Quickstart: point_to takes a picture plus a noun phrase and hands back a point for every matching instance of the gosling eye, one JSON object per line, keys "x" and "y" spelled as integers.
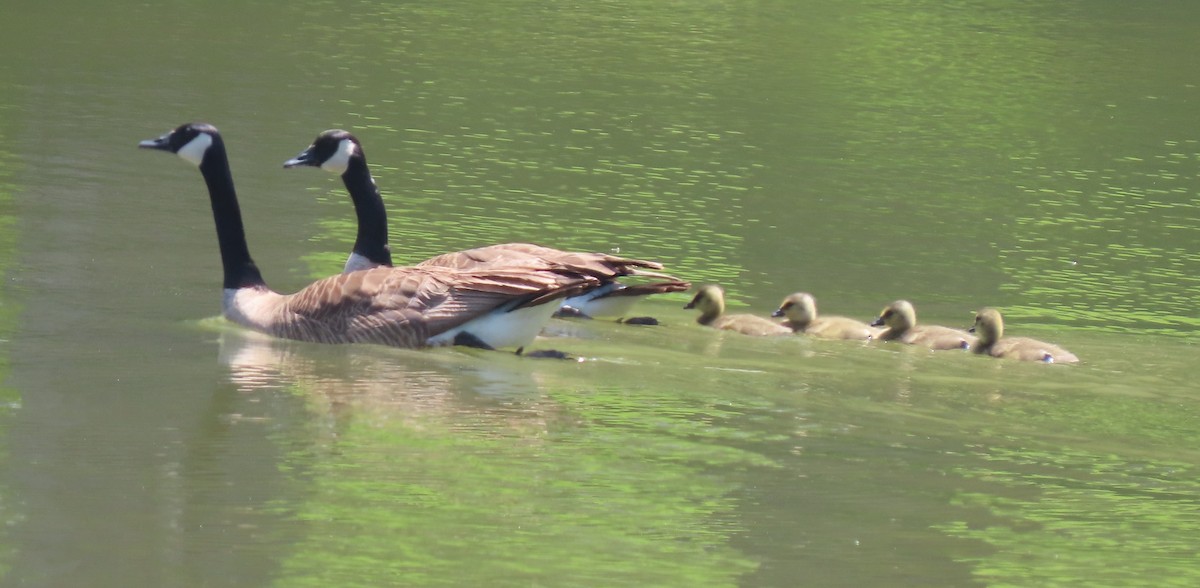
{"x": 786, "y": 305}
{"x": 886, "y": 314}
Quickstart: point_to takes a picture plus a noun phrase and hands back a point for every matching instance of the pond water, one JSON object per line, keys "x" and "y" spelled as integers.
{"x": 1044, "y": 159}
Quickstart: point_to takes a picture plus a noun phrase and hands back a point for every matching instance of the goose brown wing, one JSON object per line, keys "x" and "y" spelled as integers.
{"x": 492, "y": 255}
{"x": 406, "y": 306}
{"x": 671, "y": 285}
{"x": 527, "y": 255}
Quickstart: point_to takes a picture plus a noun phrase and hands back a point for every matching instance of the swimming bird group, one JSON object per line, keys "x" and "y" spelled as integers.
{"x": 496, "y": 296}
{"x": 897, "y": 322}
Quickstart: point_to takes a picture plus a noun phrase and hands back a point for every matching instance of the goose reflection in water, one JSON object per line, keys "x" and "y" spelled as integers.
{"x": 397, "y": 386}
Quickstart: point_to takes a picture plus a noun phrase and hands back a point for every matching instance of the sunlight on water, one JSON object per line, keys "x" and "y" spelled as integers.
{"x": 1067, "y": 514}
{"x": 10, "y": 399}
{"x": 650, "y": 182}
{"x": 1036, "y": 157}
{"x": 406, "y": 453}
{"x": 1128, "y": 227}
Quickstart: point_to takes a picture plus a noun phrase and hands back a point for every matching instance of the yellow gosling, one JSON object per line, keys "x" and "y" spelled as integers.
{"x": 710, "y": 301}
{"x": 900, "y": 320}
{"x": 989, "y": 327}
{"x": 801, "y": 312}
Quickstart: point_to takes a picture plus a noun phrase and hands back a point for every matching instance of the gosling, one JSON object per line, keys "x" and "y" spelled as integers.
{"x": 900, "y": 318}
{"x": 989, "y": 326}
{"x": 710, "y": 300}
{"x": 801, "y": 312}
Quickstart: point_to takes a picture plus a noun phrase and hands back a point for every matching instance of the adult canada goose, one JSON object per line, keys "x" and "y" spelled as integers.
{"x": 801, "y": 312}
{"x": 710, "y": 300}
{"x": 900, "y": 318}
{"x": 402, "y": 307}
{"x": 989, "y": 326}
{"x": 340, "y": 152}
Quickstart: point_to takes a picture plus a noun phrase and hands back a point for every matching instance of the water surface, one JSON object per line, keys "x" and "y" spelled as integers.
{"x": 1042, "y": 159}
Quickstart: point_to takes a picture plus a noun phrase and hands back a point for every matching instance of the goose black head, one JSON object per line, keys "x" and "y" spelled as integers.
{"x": 189, "y": 141}
{"x": 330, "y": 151}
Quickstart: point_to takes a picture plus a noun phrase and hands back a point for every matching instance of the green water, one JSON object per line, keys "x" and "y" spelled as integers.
{"x": 1042, "y": 159}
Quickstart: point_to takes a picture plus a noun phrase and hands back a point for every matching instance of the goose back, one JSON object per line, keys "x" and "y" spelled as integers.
{"x": 408, "y": 307}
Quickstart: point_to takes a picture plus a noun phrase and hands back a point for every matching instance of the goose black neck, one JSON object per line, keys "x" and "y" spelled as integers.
{"x": 240, "y": 271}
{"x": 372, "y": 239}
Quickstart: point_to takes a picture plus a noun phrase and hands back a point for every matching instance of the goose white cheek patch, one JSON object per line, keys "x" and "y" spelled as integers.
{"x": 340, "y": 159}
{"x": 195, "y": 149}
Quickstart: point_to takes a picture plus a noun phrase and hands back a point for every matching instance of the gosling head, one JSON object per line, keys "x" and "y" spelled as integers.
{"x": 191, "y": 141}
{"x": 989, "y": 326}
{"x": 897, "y": 316}
{"x": 799, "y": 308}
{"x": 710, "y": 300}
{"x": 331, "y": 151}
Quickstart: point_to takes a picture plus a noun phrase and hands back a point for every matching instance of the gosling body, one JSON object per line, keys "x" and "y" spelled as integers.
{"x": 989, "y": 327}
{"x": 900, "y": 321}
{"x": 710, "y": 301}
{"x": 800, "y": 310}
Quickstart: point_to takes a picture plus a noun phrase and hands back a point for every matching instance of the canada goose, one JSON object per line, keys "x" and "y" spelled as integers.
{"x": 801, "y": 312}
{"x": 340, "y": 152}
{"x": 989, "y": 326}
{"x": 900, "y": 318}
{"x": 402, "y": 307}
{"x": 710, "y": 300}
